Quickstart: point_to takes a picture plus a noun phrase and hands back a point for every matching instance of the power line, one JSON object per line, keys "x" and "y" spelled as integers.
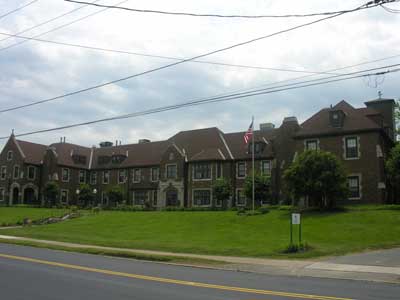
{"x": 61, "y": 26}
{"x": 17, "y": 9}
{"x": 48, "y": 21}
{"x": 160, "y": 56}
{"x": 390, "y": 10}
{"x": 216, "y": 15}
{"x": 312, "y": 73}
{"x": 216, "y": 99}
{"x": 176, "y": 63}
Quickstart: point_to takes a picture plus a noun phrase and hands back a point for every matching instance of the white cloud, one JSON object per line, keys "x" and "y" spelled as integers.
{"x": 35, "y": 71}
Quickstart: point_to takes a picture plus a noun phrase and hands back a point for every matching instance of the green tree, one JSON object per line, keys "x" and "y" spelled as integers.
{"x": 262, "y": 188}
{"x": 115, "y": 195}
{"x": 393, "y": 167}
{"x": 222, "y": 190}
{"x": 319, "y": 177}
{"x": 86, "y": 196}
{"x": 51, "y": 192}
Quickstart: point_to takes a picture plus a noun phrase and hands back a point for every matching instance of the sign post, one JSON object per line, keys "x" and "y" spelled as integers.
{"x": 295, "y": 220}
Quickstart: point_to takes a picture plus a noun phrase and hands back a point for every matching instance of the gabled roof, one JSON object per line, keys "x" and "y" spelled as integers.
{"x": 355, "y": 120}
{"x": 197, "y": 143}
{"x": 66, "y": 151}
{"x": 32, "y": 152}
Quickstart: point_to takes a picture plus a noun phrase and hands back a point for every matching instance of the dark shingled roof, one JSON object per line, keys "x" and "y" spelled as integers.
{"x": 65, "y": 151}
{"x": 33, "y": 152}
{"x": 197, "y": 144}
{"x": 145, "y": 154}
{"x": 355, "y": 120}
{"x": 239, "y": 149}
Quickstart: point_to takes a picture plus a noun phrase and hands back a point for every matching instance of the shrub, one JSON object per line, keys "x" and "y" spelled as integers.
{"x": 296, "y": 248}
{"x": 241, "y": 211}
{"x": 263, "y": 210}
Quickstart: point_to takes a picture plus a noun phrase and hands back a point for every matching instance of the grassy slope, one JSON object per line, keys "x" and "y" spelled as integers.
{"x": 225, "y": 233}
{"x": 12, "y": 215}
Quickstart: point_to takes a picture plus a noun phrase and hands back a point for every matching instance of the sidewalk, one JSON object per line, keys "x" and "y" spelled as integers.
{"x": 328, "y": 268}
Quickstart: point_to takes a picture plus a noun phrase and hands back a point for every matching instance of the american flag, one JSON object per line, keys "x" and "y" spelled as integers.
{"x": 249, "y": 133}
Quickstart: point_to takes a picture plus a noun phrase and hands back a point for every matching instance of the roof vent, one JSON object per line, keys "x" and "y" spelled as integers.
{"x": 144, "y": 141}
{"x": 266, "y": 126}
{"x": 290, "y": 119}
{"x": 106, "y": 144}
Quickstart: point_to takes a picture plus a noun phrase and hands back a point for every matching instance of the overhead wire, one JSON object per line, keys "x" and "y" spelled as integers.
{"x": 218, "y": 99}
{"x": 176, "y": 63}
{"x": 17, "y": 9}
{"x": 61, "y": 26}
{"x": 191, "y": 14}
{"x": 48, "y": 21}
{"x": 160, "y": 56}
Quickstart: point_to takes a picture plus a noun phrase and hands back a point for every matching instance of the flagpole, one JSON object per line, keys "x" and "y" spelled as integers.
{"x": 252, "y": 158}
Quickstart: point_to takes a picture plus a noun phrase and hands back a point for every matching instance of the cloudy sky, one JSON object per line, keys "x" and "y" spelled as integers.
{"x": 34, "y": 71}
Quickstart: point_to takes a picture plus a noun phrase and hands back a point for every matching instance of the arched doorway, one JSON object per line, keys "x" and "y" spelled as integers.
{"x": 172, "y": 197}
{"x": 15, "y": 195}
{"x": 29, "y": 196}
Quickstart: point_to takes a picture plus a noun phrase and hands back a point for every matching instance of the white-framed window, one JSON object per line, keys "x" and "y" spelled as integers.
{"x": 31, "y": 173}
{"x": 16, "y": 172}
{"x": 311, "y": 144}
{"x": 136, "y": 175}
{"x": 171, "y": 156}
{"x": 65, "y": 174}
{"x": 171, "y": 171}
{"x": 106, "y": 177}
{"x": 139, "y": 197}
{"x": 155, "y": 174}
{"x": 155, "y": 198}
{"x": 351, "y": 147}
{"x": 241, "y": 169}
{"x": 2, "y": 194}
{"x": 9, "y": 155}
{"x": 354, "y": 185}
{"x": 266, "y": 167}
{"x": 219, "y": 170}
{"x": 240, "y": 198}
{"x": 202, "y": 197}
{"x": 121, "y": 176}
{"x": 93, "y": 178}
{"x": 104, "y": 198}
{"x": 202, "y": 171}
{"x": 3, "y": 173}
{"x": 64, "y": 196}
{"x": 82, "y": 176}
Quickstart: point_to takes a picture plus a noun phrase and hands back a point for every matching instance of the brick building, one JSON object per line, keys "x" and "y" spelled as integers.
{"x": 180, "y": 171}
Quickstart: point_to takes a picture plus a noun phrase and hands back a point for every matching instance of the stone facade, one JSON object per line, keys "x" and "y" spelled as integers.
{"x": 181, "y": 171}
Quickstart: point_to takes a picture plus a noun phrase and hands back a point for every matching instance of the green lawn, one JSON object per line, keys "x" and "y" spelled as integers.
{"x": 14, "y": 215}
{"x": 225, "y": 233}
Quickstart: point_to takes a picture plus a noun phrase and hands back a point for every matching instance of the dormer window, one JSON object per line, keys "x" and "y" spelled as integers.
{"x": 9, "y": 155}
{"x": 79, "y": 159}
{"x": 336, "y": 118}
{"x": 258, "y": 147}
{"x": 311, "y": 144}
{"x": 118, "y": 158}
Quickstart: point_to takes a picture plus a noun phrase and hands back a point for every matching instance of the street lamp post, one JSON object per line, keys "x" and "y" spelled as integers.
{"x": 77, "y": 196}
{"x": 94, "y": 197}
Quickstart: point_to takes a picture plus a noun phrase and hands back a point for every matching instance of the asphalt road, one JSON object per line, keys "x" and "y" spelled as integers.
{"x": 33, "y": 273}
